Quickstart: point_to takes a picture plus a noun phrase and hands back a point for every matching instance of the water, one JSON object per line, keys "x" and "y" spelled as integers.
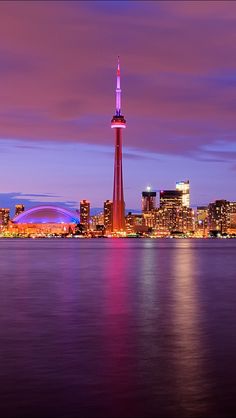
{"x": 117, "y": 328}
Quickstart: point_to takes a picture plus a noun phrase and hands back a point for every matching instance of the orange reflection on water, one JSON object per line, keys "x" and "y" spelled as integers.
{"x": 191, "y": 383}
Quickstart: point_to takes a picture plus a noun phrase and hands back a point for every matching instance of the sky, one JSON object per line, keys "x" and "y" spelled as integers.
{"x": 57, "y": 89}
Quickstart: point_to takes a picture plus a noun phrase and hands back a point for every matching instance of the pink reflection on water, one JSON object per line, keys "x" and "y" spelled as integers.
{"x": 117, "y": 339}
{"x": 191, "y": 382}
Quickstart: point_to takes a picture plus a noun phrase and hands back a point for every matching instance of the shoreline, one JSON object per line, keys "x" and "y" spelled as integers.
{"x": 112, "y": 238}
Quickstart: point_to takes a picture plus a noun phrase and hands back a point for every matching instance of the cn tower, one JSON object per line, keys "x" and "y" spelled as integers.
{"x": 118, "y": 123}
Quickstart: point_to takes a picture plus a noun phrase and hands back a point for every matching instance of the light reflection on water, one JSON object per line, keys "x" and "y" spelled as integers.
{"x": 189, "y": 367}
{"x": 100, "y": 328}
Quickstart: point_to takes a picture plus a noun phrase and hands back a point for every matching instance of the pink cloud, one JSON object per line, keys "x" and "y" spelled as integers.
{"x": 57, "y": 73}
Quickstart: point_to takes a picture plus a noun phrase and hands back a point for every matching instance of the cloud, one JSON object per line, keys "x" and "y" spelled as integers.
{"x": 57, "y": 83}
{"x": 177, "y": 63}
{"x": 14, "y": 63}
{"x": 9, "y": 200}
{"x": 35, "y": 195}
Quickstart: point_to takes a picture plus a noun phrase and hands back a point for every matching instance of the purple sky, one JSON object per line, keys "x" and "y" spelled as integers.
{"x": 57, "y": 83}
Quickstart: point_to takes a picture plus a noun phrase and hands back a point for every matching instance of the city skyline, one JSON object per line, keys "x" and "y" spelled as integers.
{"x": 56, "y": 144}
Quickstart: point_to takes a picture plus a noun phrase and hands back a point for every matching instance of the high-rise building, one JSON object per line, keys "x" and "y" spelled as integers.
{"x": 148, "y": 200}
{"x": 4, "y": 216}
{"x": 232, "y": 217}
{"x": 118, "y": 123}
{"x": 134, "y": 222}
{"x": 165, "y": 220}
{"x": 170, "y": 198}
{"x": 202, "y": 220}
{"x": 97, "y": 220}
{"x": 170, "y": 219}
{"x": 185, "y": 220}
{"x": 173, "y": 216}
{"x": 218, "y": 216}
{"x": 184, "y": 187}
{"x": 85, "y": 213}
{"x": 19, "y": 209}
{"x": 108, "y": 208}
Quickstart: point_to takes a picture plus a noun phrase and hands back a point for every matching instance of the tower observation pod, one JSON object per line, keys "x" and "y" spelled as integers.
{"x": 118, "y": 123}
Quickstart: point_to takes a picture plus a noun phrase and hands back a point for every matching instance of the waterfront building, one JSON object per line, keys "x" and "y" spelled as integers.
{"x": 148, "y": 200}
{"x": 107, "y": 213}
{"x": 185, "y": 220}
{"x": 149, "y": 219}
{"x": 218, "y": 216}
{"x": 172, "y": 216}
{"x": 201, "y": 221}
{"x": 4, "y": 216}
{"x": 118, "y": 123}
{"x": 43, "y": 221}
{"x": 134, "y": 222}
{"x": 167, "y": 214}
{"x": 184, "y": 187}
{"x": 129, "y": 223}
{"x": 85, "y": 214}
{"x": 232, "y": 218}
{"x": 165, "y": 220}
{"x": 96, "y": 221}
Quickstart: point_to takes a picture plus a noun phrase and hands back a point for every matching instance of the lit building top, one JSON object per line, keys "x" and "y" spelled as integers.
{"x": 148, "y": 200}
{"x": 184, "y": 187}
{"x": 171, "y": 198}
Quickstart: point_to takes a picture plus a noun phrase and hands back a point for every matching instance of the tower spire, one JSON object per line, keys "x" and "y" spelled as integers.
{"x": 118, "y": 89}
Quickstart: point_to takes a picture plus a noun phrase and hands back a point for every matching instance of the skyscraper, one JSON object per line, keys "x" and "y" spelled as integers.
{"x": 118, "y": 123}
{"x": 85, "y": 213}
{"x": 169, "y": 211}
{"x": 170, "y": 198}
{"x": 202, "y": 219}
{"x": 4, "y": 216}
{"x": 232, "y": 217}
{"x": 183, "y": 186}
{"x": 148, "y": 200}
{"x": 108, "y": 206}
{"x": 218, "y": 216}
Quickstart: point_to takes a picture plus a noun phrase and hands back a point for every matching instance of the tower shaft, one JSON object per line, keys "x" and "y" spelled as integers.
{"x": 118, "y": 192}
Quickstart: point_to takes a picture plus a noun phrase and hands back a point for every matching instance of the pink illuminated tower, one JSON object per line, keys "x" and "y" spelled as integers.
{"x": 118, "y": 123}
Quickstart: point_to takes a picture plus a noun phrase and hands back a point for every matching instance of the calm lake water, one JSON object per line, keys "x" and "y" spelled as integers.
{"x": 117, "y": 328}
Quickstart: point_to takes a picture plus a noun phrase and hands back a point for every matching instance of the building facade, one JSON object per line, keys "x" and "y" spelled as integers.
{"x": 202, "y": 221}
{"x": 4, "y": 216}
{"x": 218, "y": 216}
{"x": 148, "y": 200}
{"x": 171, "y": 198}
{"x": 107, "y": 213}
{"x": 184, "y": 187}
{"x": 43, "y": 221}
{"x": 232, "y": 218}
{"x": 85, "y": 214}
